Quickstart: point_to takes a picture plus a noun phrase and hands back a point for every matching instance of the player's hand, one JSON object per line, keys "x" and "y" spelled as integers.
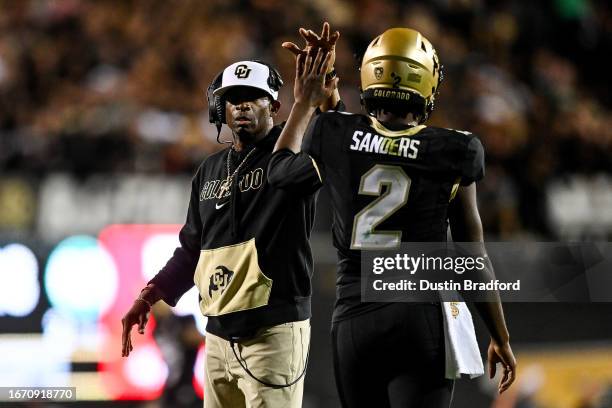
{"x": 324, "y": 41}
{"x": 310, "y": 87}
{"x": 138, "y": 314}
{"x": 502, "y": 353}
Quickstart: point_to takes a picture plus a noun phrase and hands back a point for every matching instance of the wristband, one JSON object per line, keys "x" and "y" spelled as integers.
{"x": 145, "y": 301}
{"x": 330, "y": 75}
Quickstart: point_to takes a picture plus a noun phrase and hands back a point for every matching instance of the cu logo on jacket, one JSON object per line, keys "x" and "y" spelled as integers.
{"x": 219, "y": 280}
{"x": 242, "y": 71}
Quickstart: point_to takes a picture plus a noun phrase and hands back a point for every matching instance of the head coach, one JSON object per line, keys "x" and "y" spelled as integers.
{"x": 245, "y": 246}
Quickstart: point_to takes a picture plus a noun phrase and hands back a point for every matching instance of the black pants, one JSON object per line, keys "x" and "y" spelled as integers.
{"x": 392, "y": 357}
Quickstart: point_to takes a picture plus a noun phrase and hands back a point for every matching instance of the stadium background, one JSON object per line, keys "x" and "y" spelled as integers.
{"x": 103, "y": 121}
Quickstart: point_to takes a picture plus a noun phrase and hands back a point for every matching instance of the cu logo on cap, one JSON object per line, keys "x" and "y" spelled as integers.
{"x": 242, "y": 71}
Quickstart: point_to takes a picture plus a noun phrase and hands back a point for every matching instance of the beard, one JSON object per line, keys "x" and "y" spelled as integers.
{"x": 245, "y": 135}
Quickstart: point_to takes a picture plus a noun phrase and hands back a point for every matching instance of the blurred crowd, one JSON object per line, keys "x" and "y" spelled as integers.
{"x": 118, "y": 86}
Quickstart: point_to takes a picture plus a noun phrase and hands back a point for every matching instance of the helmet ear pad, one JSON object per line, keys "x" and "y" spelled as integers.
{"x": 216, "y": 104}
{"x": 430, "y": 105}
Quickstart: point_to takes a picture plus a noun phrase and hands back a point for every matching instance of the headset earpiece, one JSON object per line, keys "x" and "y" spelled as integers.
{"x": 216, "y": 105}
{"x": 275, "y": 81}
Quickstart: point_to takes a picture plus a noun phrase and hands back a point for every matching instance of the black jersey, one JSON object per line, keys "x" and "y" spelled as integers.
{"x": 386, "y": 187}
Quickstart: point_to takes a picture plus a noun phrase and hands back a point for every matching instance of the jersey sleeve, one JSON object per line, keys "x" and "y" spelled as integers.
{"x": 176, "y": 277}
{"x": 340, "y": 107}
{"x": 472, "y": 167}
{"x": 298, "y": 171}
{"x": 311, "y": 144}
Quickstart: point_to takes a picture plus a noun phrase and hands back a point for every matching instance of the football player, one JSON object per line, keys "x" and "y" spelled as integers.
{"x": 391, "y": 179}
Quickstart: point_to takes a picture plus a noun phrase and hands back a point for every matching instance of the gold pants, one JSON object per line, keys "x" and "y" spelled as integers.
{"x": 276, "y": 355}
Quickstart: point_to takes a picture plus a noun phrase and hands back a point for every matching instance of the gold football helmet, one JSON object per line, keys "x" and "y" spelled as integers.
{"x": 400, "y": 66}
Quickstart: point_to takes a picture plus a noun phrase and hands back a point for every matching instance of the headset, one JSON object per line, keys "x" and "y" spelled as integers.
{"x": 216, "y": 104}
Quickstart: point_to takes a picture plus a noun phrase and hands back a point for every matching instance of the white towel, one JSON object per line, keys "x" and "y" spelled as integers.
{"x": 462, "y": 352}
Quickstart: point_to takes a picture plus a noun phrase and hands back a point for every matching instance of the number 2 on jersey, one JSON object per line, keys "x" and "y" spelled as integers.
{"x": 395, "y": 196}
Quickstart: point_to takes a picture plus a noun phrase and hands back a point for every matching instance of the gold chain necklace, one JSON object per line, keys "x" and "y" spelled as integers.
{"x": 227, "y": 183}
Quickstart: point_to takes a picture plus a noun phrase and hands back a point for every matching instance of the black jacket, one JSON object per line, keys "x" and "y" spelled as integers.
{"x": 275, "y": 209}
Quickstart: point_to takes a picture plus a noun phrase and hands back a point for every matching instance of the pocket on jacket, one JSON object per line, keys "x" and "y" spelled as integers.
{"x": 229, "y": 279}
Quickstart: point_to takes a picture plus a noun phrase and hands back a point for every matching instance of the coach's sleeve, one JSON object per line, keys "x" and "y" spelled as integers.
{"x": 176, "y": 278}
{"x": 473, "y": 166}
{"x": 298, "y": 171}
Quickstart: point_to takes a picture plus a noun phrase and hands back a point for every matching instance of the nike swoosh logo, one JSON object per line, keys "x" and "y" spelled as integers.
{"x": 217, "y": 206}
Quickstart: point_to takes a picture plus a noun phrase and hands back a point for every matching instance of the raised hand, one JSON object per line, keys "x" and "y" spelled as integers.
{"x": 325, "y": 41}
{"x": 310, "y": 87}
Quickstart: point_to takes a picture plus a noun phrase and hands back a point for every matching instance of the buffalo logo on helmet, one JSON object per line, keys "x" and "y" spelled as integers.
{"x": 242, "y": 71}
{"x": 378, "y": 72}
